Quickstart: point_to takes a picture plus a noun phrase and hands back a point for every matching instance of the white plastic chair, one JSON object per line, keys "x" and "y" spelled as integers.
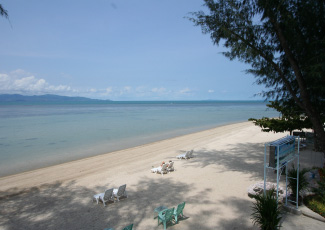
{"x": 184, "y": 156}
{"x": 161, "y": 169}
{"x": 170, "y": 166}
{"x": 191, "y": 154}
{"x": 105, "y": 196}
{"x": 120, "y": 192}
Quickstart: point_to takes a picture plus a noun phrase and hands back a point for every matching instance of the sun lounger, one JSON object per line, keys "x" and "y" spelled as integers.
{"x": 170, "y": 166}
{"x": 184, "y": 156}
{"x": 191, "y": 154}
{"x": 161, "y": 169}
{"x": 155, "y": 170}
{"x": 120, "y": 192}
{"x": 105, "y": 196}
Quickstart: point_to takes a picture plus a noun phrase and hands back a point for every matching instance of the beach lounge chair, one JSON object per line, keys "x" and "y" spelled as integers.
{"x": 191, "y": 154}
{"x": 120, "y": 192}
{"x": 170, "y": 166}
{"x": 165, "y": 216}
{"x": 105, "y": 196}
{"x": 155, "y": 170}
{"x": 184, "y": 156}
{"x": 179, "y": 211}
{"x": 129, "y": 227}
{"x": 161, "y": 169}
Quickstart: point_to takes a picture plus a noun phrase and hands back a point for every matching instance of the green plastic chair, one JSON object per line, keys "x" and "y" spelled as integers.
{"x": 128, "y": 227}
{"x": 179, "y": 211}
{"x": 165, "y": 216}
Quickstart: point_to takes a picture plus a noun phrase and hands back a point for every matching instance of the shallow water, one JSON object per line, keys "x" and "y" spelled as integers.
{"x": 39, "y": 135}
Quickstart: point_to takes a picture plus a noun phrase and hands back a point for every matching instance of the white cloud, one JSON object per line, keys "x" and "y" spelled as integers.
{"x": 92, "y": 90}
{"x": 185, "y": 91}
{"x": 109, "y": 90}
{"x": 159, "y": 90}
{"x": 210, "y": 91}
{"x": 22, "y": 82}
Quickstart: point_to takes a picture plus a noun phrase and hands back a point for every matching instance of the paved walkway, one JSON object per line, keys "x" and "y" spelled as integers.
{"x": 308, "y": 220}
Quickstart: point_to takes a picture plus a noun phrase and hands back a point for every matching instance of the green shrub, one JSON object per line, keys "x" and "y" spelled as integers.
{"x": 320, "y": 190}
{"x": 292, "y": 180}
{"x": 316, "y": 204}
{"x": 266, "y": 211}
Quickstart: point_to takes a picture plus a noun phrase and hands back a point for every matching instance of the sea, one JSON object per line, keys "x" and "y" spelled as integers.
{"x": 36, "y": 135}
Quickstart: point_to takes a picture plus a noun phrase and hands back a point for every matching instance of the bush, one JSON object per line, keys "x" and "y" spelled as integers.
{"x": 316, "y": 204}
{"x": 320, "y": 190}
{"x": 266, "y": 211}
{"x": 292, "y": 180}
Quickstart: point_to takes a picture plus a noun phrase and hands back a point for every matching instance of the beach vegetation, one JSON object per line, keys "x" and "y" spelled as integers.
{"x": 302, "y": 183}
{"x": 317, "y": 202}
{"x": 291, "y": 118}
{"x": 282, "y": 41}
{"x": 266, "y": 211}
{"x": 319, "y": 190}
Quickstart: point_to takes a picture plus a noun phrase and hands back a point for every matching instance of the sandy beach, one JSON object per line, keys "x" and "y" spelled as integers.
{"x": 227, "y": 160}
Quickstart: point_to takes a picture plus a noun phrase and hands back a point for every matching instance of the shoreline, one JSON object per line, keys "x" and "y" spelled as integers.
{"x": 227, "y": 160}
{"x": 119, "y": 146}
{"x": 106, "y": 155}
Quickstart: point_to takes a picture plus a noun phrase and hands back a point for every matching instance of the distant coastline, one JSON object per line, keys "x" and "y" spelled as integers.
{"x": 48, "y": 98}
{"x": 57, "y": 99}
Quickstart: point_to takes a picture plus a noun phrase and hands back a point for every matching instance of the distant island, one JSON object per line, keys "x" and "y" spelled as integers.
{"x": 44, "y": 98}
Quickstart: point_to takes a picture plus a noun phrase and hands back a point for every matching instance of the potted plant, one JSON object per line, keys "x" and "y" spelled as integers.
{"x": 266, "y": 211}
{"x": 292, "y": 183}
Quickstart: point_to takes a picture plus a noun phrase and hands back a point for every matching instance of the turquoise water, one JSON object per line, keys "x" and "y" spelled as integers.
{"x": 39, "y": 135}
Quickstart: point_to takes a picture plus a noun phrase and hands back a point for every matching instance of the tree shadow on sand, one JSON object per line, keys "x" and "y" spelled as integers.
{"x": 69, "y": 206}
{"x": 246, "y": 158}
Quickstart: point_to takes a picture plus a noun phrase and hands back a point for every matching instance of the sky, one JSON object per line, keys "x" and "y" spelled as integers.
{"x": 119, "y": 50}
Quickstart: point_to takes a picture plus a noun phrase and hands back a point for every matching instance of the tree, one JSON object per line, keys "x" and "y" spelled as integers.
{"x": 291, "y": 118}
{"x": 284, "y": 43}
{"x": 3, "y": 12}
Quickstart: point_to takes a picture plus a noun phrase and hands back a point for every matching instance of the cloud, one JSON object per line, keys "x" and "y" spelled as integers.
{"x": 92, "y": 90}
{"x": 159, "y": 90}
{"x": 109, "y": 90}
{"x": 22, "y": 82}
{"x": 185, "y": 91}
{"x": 210, "y": 91}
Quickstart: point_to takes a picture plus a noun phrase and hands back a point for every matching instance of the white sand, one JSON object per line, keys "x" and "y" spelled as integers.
{"x": 226, "y": 161}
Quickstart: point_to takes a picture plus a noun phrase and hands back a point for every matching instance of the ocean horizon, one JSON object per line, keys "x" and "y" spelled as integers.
{"x": 36, "y": 135}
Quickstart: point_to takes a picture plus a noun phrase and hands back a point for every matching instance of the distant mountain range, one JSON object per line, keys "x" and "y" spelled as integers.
{"x": 43, "y": 98}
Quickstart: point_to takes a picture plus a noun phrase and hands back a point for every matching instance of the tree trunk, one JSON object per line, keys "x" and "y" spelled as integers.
{"x": 319, "y": 130}
{"x": 304, "y": 102}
